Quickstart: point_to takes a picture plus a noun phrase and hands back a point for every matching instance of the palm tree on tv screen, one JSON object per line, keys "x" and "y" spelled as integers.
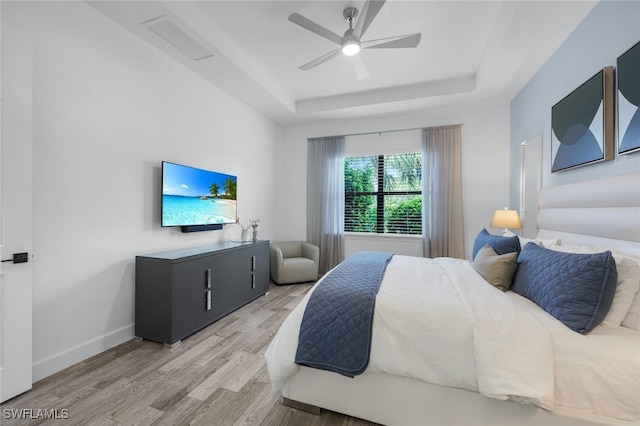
{"x": 214, "y": 189}
{"x": 230, "y": 188}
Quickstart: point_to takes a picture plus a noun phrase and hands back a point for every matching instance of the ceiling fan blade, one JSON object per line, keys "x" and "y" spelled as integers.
{"x": 409, "y": 40}
{"x": 321, "y": 59}
{"x": 368, "y": 14}
{"x": 359, "y": 67}
{"x": 308, "y": 24}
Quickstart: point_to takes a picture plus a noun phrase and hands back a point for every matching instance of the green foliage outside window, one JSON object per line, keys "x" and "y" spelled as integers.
{"x": 383, "y": 194}
{"x": 400, "y": 219}
{"x": 360, "y": 210}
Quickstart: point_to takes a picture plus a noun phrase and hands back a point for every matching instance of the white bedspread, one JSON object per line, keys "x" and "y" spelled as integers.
{"x": 596, "y": 373}
{"x": 437, "y": 320}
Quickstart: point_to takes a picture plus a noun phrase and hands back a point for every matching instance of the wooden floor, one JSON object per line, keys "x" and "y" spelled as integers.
{"x": 217, "y": 376}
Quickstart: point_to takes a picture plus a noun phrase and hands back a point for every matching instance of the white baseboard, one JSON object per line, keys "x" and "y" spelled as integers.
{"x": 57, "y": 362}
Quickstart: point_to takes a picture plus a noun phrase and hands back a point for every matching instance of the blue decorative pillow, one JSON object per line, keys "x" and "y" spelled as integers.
{"x": 500, "y": 244}
{"x": 577, "y": 289}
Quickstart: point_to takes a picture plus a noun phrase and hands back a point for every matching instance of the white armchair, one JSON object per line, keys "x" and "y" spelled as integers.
{"x": 293, "y": 262}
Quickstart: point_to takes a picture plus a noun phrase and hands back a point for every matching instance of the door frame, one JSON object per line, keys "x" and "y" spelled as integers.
{"x": 530, "y": 184}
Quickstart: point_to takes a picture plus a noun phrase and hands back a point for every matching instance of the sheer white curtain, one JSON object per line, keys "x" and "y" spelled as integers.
{"x": 442, "y": 216}
{"x": 325, "y": 199}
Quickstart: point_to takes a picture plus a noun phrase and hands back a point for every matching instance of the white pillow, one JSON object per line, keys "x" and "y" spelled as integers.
{"x": 541, "y": 242}
{"x": 575, "y": 249}
{"x": 632, "y": 319}
{"x": 628, "y": 285}
{"x": 626, "y": 302}
{"x": 626, "y": 288}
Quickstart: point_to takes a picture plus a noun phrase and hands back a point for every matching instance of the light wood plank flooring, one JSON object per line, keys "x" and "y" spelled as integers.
{"x": 217, "y": 376}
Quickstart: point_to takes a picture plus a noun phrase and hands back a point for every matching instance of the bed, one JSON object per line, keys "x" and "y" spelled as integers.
{"x": 502, "y": 361}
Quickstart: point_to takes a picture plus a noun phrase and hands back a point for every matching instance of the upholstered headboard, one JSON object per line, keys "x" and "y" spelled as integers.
{"x": 602, "y": 212}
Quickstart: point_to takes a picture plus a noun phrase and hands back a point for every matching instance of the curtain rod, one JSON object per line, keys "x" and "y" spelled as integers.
{"x": 388, "y": 131}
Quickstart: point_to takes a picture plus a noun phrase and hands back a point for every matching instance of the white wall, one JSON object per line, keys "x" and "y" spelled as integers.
{"x": 485, "y": 162}
{"x": 607, "y": 31}
{"x": 100, "y": 109}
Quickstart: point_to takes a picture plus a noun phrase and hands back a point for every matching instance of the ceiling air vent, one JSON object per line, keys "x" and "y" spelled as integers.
{"x": 179, "y": 39}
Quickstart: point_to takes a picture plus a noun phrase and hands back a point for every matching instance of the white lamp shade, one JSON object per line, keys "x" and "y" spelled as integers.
{"x": 506, "y": 219}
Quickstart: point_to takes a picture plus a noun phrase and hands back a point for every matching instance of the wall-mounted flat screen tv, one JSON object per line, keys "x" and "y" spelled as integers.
{"x": 192, "y": 196}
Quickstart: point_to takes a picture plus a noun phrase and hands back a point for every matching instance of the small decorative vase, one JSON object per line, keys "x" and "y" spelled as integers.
{"x": 245, "y": 234}
{"x": 255, "y": 234}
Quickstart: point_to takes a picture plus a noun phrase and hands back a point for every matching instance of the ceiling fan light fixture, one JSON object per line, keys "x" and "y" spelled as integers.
{"x": 351, "y": 48}
{"x": 349, "y": 43}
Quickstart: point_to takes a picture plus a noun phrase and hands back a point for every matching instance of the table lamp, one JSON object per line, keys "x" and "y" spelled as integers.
{"x": 506, "y": 219}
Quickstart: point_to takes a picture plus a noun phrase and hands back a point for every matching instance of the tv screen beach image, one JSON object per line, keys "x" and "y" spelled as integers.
{"x": 192, "y": 196}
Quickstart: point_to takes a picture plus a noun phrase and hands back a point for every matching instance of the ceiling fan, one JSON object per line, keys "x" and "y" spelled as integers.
{"x": 350, "y": 43}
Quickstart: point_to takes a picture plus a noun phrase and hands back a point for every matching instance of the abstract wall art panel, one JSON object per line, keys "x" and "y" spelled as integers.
{"x": 582, "y": 128}
{"x": 628, "y": 95}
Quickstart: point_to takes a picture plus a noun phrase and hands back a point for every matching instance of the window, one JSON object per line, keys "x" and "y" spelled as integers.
{"x": 383, "y": 194}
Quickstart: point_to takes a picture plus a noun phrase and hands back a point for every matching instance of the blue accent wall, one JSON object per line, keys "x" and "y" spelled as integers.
{"x": 607, "y": 31}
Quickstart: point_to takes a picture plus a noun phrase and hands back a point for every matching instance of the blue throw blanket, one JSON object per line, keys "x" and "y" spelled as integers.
{"x": 335, "y": 333}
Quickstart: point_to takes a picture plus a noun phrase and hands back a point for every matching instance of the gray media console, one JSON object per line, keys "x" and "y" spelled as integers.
{"x": 181, "y": 291}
